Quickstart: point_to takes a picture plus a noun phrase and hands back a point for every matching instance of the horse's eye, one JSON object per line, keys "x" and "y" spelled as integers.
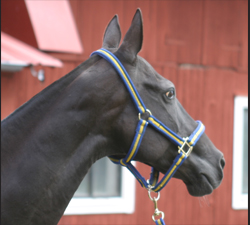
{"x": 170, "y": 94}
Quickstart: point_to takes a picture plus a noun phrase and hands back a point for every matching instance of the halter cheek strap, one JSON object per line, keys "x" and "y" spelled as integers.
{"x": 185, "y": 145}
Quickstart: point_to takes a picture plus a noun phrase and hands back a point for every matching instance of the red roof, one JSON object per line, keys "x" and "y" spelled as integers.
{"x": 54, "y": 26}
{"x": 16, "y": 52}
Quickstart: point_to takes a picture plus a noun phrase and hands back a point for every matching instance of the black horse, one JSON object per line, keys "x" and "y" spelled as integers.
{"x": 49, "y": 143}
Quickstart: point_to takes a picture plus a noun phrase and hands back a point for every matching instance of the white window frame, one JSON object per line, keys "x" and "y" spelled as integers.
{"x": 239, "y": 199}
{"x": 107, "y": 205}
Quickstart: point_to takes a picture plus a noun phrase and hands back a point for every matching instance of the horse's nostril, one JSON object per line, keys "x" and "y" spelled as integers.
{"x": 222, "y": 162}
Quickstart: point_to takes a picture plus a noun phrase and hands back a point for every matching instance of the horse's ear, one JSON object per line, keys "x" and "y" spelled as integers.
{"x": 112, "y": 35}
{"x": 132, "y": 41}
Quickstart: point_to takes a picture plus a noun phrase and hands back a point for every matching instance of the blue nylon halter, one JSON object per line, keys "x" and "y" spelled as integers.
{"x": 182, "y": 143}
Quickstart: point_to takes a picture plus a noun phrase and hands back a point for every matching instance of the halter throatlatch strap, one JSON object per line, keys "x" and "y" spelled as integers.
{"x": 185, "y": 145}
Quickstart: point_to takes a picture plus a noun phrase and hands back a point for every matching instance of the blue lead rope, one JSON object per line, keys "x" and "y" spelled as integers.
{"x": 182, "y": 143}
{"x": 159, "y": 222}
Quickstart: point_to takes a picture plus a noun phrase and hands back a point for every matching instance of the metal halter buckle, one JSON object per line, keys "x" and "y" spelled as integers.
{"x": 186, "y": 148}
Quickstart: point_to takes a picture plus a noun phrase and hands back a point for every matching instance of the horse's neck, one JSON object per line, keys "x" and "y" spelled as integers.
{"x": 35, "y": 108}
{"x": 48, "y": 145}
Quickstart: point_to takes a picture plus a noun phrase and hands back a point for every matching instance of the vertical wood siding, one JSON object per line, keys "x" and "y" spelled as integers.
{"x": 201, "y": 46}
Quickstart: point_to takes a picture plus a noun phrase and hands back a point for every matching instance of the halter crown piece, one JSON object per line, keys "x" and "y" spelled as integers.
{"x": 185, "y": 145}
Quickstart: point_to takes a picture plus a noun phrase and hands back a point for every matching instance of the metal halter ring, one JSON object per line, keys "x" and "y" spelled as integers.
{"x": 155, "y": 198}
{"x": 147, "y": 110}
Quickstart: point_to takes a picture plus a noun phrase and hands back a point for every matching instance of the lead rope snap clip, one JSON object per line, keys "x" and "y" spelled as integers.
{"x": 157, "y": 212}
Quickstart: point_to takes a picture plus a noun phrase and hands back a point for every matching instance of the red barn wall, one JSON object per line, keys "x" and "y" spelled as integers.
{"x": 202, "y": 47}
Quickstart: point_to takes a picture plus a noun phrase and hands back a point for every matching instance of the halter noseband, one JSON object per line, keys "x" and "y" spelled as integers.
{"x": 185, "y": 145}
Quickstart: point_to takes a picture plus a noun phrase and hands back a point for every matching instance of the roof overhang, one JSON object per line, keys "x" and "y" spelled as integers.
{"x": 54, "y": 26}
{"x": 16, "y": 54}
{"x": 12, "y": 66}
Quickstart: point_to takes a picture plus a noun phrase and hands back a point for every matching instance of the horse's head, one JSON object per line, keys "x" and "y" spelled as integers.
{"x": 203, "y": 170}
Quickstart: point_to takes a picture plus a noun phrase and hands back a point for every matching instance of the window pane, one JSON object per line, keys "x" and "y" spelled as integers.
{"x": 245, "y": 152}
{"x": 106, "y": 179}
{"x": 102, "y": 180}
{"x": 84, "y": 188}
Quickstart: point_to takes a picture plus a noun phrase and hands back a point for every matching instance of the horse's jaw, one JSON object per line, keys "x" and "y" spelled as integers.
{"x": 201, "y": 172}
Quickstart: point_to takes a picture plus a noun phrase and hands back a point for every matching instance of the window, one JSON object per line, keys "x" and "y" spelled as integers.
{"x": 107, "y": 188}
{"x": 103, "y": 180}
{"x": 240, "y": 154}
